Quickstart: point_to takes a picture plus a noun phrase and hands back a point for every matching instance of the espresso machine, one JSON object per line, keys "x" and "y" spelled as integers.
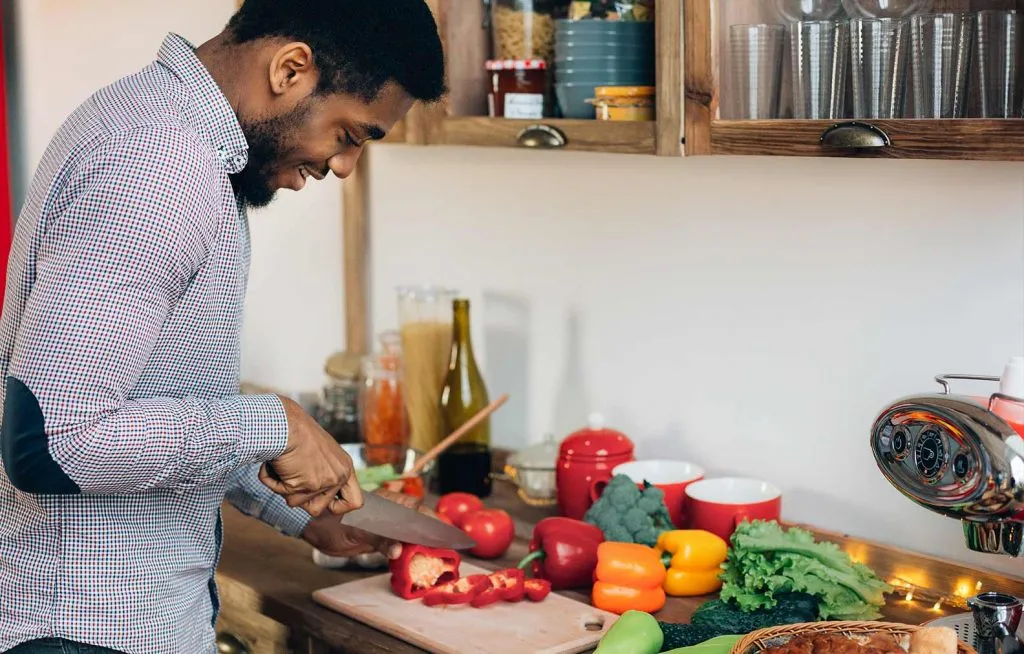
{"x": 962, "y": 457}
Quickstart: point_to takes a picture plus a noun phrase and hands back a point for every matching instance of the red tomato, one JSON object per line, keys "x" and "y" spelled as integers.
{"x": 457, "y": 506}
{"x": 493, "y": 531}
{"x": 445, "y": 519}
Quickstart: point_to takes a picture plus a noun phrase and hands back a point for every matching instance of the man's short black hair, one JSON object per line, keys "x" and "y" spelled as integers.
{"x": 358, "y": 45}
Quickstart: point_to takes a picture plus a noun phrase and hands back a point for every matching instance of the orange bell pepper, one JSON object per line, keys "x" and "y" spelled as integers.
{"x": 629, "y": 576}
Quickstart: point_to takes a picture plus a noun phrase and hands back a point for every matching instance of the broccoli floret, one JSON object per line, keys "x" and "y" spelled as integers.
{"x": 617, "y": 533}
{"x": 626, "y": 514}
{"x": 635, "y": 520}
{"x": 648, "y": 536}
{"x": 651, "y": 499}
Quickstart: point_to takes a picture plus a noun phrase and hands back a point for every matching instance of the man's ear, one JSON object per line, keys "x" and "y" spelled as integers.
{"x": 292, "y": 70}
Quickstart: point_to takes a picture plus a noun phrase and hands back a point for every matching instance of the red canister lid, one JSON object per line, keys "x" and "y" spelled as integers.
{"x": 596, "y": 442}
{"x": 516, "y": 64}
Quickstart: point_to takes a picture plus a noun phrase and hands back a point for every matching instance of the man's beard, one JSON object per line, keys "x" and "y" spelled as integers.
{"x": 268, "y": 144}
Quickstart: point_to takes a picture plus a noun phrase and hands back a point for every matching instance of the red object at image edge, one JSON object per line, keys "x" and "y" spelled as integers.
{"x": 6, "y": 206}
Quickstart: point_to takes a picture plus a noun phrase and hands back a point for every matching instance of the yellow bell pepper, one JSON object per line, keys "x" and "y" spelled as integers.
{"x": 694, "y": 558}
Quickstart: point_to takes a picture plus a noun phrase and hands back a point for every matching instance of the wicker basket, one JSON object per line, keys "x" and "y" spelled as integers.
{"x": 754, "y": 642}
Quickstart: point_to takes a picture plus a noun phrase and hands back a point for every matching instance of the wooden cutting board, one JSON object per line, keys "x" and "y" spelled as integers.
{"x": 558, "y": 625}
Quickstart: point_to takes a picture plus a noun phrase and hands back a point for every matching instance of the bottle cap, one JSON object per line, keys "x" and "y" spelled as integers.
{"x": 1012, "y": 381}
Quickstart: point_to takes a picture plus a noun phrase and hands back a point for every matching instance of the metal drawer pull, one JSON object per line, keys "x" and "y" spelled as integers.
{"x": 230, "y": 644}
{"x": 854, "y": 136}
{"x": 541, "y": 136}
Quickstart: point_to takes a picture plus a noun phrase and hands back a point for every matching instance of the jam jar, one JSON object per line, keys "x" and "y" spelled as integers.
{"x": 584, "y": 457}
{"x": 517, "y": 88}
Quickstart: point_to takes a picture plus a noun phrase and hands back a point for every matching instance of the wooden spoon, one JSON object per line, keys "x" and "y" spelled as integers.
{"x": 438, "y": 449}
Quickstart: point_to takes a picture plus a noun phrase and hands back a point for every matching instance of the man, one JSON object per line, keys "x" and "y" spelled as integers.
{"x": 123, "y": 430}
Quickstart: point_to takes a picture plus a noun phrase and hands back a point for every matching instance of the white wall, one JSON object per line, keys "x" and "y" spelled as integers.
{"x": 69, "y": 48}
{"x": 748, "y": 314}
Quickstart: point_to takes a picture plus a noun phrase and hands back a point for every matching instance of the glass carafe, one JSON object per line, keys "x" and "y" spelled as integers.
{"x": 425, "y": 317}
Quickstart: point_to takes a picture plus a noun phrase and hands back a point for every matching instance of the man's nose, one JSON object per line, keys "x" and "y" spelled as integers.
{"x": 343, "y": 164}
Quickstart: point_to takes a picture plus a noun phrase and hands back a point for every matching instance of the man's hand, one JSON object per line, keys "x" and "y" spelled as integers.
{"x": 328, "y": 535}
{"x": 312, "y": 469}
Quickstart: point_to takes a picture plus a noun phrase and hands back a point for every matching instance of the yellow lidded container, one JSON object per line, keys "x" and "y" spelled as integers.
{"x": 624, "y": 103}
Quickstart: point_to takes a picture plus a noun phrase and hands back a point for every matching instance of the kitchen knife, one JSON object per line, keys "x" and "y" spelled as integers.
{"x": 392, "y": 520}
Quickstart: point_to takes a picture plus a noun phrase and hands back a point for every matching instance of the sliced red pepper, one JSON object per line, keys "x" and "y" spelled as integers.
{"x": 419, "y": 569}
{"x": 506, "y": 585}
{"x": 537, "y": 589}
{"x": 460, "y": 591}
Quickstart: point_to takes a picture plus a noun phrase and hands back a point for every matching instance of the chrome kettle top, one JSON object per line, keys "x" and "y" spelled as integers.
{"x": 956, "y": 457}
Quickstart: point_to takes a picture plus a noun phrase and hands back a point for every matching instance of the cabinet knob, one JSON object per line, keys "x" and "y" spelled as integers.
{"x": 854, "y": 136}
{"x": 541, "y": 136}
{"x": 230, "y": 644}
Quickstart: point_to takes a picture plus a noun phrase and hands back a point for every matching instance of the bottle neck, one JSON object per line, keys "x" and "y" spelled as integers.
{"x": 461, "y": 339}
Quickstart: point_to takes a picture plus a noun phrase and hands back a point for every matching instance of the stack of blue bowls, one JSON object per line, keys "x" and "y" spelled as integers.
{"x": 593, "y": 53}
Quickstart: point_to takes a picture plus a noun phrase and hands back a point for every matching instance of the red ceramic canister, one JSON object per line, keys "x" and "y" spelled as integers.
{"x": 586, "y": 456}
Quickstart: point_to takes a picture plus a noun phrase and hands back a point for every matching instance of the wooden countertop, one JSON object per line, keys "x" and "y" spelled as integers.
{"x": 276, "y": 576}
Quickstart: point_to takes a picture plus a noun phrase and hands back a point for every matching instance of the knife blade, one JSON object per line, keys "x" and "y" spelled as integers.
{"x": 391, "y": 520}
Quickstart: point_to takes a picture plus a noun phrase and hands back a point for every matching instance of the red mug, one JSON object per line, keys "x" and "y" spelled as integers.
{"x": 719, "y": 505}
{"x": 672, "y": 477}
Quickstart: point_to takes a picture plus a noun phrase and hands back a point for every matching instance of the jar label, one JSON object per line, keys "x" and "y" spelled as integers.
{"x": 524, "y": 105}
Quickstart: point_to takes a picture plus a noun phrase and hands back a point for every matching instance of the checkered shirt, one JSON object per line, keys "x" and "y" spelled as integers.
{"x": 122, "y": 319}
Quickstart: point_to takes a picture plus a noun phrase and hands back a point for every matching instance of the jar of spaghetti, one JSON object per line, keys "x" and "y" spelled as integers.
{"x": 385, "y": 428}
{"x": 518, "y": 88}
{"x": 523, "y": 29}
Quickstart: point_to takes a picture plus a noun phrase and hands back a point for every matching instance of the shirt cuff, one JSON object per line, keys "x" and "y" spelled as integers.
{"x": 250, "y": 496}
{"x": 287, "y": 520}
{"x": 264, "y": 428}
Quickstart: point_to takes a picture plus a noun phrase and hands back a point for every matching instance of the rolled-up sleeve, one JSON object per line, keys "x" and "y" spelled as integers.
{"x": 109, "y": 270}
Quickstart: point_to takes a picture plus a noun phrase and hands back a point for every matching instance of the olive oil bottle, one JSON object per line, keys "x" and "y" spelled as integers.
{"x": 466, "y": 466}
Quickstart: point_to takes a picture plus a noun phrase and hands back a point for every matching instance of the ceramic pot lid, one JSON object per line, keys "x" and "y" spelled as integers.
{"x": 596, "y": 441}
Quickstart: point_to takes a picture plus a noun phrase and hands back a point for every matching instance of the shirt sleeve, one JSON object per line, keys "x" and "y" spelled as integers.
{"x": 138, "y": 221}
{"x": 250, "y": 496}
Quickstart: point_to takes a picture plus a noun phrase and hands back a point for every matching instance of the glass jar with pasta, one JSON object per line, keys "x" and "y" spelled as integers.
{"x": 523, "y": 29}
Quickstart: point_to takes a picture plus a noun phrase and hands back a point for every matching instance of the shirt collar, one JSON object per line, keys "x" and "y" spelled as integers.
{"x": 210, "y": 113}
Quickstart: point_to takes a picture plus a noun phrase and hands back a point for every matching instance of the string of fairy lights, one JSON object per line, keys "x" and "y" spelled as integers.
{"x": 913, "y": 593}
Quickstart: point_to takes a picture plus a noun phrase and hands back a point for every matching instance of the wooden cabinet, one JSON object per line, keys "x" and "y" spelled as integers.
{"x": 461, "y": 119}
{"x": 719, "y": 122}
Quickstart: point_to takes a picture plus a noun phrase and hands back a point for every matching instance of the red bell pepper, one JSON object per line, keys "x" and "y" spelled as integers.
{"x": 419, "y": 569}
{"x": 506, "y": 585}
{"x": 460, "y": 591}
{"x": 564, "y": 552}
{"x": 537, "y": 589}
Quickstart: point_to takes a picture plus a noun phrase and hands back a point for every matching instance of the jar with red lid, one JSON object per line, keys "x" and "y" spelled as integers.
{"x": 584, "y": 457}
{"x": 518, "y": 88}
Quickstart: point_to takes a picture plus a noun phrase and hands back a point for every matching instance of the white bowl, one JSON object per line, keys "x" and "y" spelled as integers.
{"x": 659, "y": 471}
{"x": 733, "y": 490}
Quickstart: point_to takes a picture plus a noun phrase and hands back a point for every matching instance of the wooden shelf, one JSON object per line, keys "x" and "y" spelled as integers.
{"x": 973, "y": 139}
{"x": 580, "y": 135}
{"x": 459, "y": 120}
